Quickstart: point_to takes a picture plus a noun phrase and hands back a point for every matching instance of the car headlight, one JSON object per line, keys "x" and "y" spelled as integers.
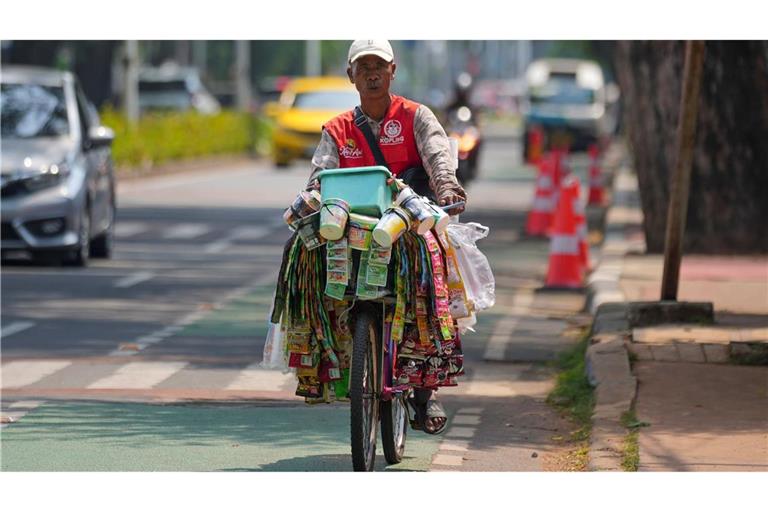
{"x": 52, "y": 176}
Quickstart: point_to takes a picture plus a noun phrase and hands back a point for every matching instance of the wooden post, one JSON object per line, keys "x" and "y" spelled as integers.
{"x": 681, "y": 180}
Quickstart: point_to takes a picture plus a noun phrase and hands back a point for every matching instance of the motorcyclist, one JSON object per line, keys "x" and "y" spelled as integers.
{"x": 462, "y": 90}
{"x": 411, "y": 140}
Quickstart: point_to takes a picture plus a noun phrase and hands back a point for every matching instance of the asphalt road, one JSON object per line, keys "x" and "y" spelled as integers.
{"x": 178, "y": 316}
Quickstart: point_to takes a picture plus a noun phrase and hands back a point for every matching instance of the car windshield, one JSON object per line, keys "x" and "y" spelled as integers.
{"x": 326, "y": 100}
{"x": 30, "y": 111}
{"x": 562, "y": 91}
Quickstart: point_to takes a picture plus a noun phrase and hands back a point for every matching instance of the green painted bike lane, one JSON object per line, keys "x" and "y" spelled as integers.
{"x": 100, "y": 436}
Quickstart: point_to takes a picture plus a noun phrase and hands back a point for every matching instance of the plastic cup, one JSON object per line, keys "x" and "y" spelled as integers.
{"x": 392, "y": 225}
{"x": 333, "y": 218}
{"x": 442, "y": 219}
{"x": 421, "y": 214}
{"x": 305, "y": 204}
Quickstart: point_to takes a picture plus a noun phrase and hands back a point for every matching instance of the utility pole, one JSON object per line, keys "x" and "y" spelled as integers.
{"x": 681, "y": 180}
{"x": 131, "y": 81}
{"x": 200, "y": 57}
{"x": 313, "y": 58}
{"x": 523, "y": 57}
{"x": 243, "y": 75}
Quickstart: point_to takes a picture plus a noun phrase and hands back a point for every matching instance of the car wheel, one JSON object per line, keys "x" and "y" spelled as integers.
{"x": 78, "y": 257}
{"x": 101, "y": 246}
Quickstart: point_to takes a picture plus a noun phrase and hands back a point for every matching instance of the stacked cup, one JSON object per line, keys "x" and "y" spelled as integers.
{"x": 333, "y": 218}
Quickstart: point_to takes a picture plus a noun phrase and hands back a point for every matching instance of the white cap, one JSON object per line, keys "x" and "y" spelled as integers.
{"x": 379, "y": 47}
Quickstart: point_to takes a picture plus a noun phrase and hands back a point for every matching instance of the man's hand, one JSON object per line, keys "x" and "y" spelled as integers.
{"x": 451, "y": 196}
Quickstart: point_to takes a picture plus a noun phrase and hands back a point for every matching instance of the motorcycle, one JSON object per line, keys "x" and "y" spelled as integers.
{"x": 462, "y": 127}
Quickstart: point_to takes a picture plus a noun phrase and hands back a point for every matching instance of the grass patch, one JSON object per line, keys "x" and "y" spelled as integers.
{"x": 631, "y": 457}
{"x": 575, "y": 396}
{"x": 750, "y": 354}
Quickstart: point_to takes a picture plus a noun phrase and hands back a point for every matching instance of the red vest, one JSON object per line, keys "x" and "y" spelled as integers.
{"x": 396, "y": 138}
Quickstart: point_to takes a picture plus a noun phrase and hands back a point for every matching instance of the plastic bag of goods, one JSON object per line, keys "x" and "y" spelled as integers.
{"x": 274, "y": 349}
{"x": 476, "y": 273}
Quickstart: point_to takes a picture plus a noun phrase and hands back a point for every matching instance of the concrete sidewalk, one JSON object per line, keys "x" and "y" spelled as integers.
{"x": 701, "y": 411}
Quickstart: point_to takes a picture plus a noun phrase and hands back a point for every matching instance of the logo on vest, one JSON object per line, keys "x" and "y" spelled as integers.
{"x": 392, "y": 131}
{"x": 350, "y": 150}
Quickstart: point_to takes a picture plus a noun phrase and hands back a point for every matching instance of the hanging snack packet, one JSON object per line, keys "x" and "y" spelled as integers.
{"x": 380, "y": 255}
{"x": 376, "y": 275}
{"x": 364, "y": 290}
{"x": 360, "y": 231}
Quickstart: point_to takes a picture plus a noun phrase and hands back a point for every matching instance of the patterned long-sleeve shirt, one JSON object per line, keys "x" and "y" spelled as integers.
{"x": 431, "y": 143}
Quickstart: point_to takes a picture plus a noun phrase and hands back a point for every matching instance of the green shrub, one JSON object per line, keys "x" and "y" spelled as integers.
{"x": 163, "y": 137}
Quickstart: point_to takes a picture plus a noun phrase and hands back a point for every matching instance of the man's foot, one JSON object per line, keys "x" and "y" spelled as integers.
{"x": 430, "y": 415}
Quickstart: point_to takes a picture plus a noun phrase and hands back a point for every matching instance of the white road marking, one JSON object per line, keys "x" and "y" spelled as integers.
{"x": 18, "y": 374}
{"x": 502, "y": 333}
{"x": 466, "y": 419}
{"x": 139, "y": 375}
{"x": 218, "y": 246}
{"x": 240, "y": 233}
{"x": 186, "y": 231}
{"x": 250, "y": 232}
{"x": 470, "y": 410}
{"x": 454, "y": 445}
{"x": 25, "y": 404}
{"x": 255, "y": 378}
{"x": 127, "y": 229}
{"x": 134, "y": 279}
{"x": 461, "y": 432}
{"x": 447, "y": 460}
{"x": 14, "y": 328}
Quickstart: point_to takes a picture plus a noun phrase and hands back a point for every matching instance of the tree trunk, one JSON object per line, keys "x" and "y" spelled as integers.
{"x": 728, "y": 206}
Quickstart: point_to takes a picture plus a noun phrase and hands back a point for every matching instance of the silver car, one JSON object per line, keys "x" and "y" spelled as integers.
{"x": 58, "y": 183}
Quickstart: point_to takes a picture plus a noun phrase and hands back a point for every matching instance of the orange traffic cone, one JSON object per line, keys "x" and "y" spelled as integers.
{"x": 581, "y": 226}
{"x": 540, "y": 216}
{"x": 565, "y": 269}
{"x": 535, "y": 145}
{"x": 596, "y": 195}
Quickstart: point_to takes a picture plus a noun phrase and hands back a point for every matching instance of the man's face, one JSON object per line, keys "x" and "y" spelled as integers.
{"x": 371, "y": 76}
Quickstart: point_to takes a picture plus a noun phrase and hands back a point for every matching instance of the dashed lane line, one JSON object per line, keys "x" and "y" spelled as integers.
{"x": 186, "y": 231}
{"x": 125, "y": 229}
{"x": 14, "y": 328}
{"x": 502, "y": 333}
{"x": 134, "y": 279}
{"x": 457, "y": 439}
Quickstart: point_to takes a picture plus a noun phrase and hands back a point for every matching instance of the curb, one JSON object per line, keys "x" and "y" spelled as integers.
{"x": 607, "y": 358}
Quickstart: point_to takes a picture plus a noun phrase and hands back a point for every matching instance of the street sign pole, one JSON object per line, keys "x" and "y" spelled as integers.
{"x": 681, "y": 180}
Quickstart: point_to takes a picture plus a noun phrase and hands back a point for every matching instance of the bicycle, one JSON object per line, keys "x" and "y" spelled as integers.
{"x": 373, "y": 396}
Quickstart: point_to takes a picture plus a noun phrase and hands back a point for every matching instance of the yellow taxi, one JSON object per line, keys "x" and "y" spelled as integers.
{"x": 304, "y": 106}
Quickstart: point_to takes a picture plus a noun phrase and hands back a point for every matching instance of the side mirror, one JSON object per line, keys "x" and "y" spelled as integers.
{"x": 100, "y": 136}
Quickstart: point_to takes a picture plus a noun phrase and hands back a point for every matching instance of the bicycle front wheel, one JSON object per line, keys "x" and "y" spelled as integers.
{"x": 363, "y": 390}
{"x": 394, "y": 427}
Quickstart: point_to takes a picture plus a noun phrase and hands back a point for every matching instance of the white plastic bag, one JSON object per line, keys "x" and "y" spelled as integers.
{"x": 473, "y": 265}
{"x": 274, "y": 349}
{"x": 274, "y": 357}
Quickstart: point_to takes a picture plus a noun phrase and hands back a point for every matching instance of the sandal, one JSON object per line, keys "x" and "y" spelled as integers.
{"x": 427, "y": 411}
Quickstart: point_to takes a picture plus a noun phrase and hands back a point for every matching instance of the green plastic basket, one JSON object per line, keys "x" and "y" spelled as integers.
{"x": 364, "y": 188}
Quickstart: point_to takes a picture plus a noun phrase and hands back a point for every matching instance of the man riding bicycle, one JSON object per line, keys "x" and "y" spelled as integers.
{"x": 413, "y": 144}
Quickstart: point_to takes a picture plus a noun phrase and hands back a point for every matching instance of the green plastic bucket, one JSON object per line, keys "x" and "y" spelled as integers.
{"x": 364, "y": 188}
